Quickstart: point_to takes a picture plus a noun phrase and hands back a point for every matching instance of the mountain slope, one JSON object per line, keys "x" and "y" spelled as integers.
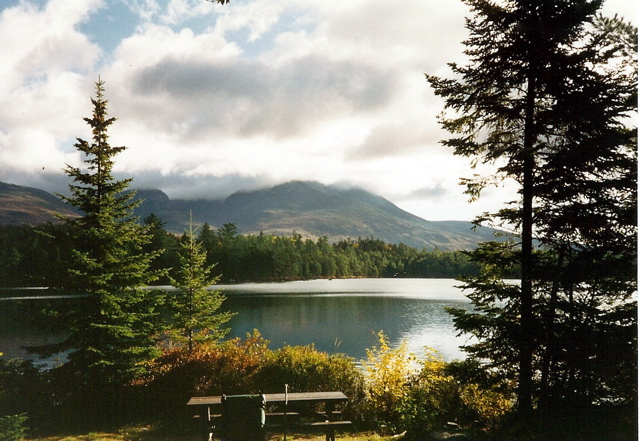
{"x": 315, "y": 210}
{"x": 29, "y": 206}
{"x": 308, "y": 208}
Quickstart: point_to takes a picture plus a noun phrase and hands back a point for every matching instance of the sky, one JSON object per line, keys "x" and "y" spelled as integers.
{"x": 212, "y": 99}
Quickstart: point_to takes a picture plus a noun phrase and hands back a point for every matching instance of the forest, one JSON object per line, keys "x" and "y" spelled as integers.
{"x": 36, "y": 256}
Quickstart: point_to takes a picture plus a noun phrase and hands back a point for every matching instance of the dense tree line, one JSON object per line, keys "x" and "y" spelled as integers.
{"x": 37, "y": 256}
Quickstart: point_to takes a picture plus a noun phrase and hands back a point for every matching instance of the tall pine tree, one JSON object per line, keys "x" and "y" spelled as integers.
{"x": 113, "y": 333}
{"x": 546, "y": 97}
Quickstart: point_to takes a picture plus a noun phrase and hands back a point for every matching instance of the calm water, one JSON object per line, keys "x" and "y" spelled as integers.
{"x": 335, "y": 315}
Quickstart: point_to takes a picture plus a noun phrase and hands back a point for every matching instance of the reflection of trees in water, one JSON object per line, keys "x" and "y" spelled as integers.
{"x": 345, "y": 321}
{"x": 28, "y": 322}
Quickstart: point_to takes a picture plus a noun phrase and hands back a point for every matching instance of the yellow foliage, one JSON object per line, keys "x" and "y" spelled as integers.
{"x": 418, "y": 393}
{"x": 489, "y": 405}
{"x": 388, "y": 373}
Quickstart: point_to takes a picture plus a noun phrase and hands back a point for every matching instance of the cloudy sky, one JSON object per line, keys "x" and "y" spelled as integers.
{"x": 211, "y": 99}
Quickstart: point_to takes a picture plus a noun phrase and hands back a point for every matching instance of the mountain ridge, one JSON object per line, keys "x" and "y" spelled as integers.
{"x": 308, "y": 208}
{"x": 316, "y": 210}
{"x": 28, "y": 205}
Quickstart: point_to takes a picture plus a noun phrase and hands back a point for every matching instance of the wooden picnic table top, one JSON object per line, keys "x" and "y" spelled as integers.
{"x": 291, "y": 397}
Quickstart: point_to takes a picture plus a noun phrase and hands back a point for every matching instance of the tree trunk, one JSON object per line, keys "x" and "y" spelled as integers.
{"x": 525, "y": 375}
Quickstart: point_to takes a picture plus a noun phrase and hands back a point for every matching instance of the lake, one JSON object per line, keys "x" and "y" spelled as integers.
{"x": 334, "y": 315}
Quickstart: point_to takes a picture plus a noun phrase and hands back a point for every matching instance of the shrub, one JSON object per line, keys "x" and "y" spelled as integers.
{"x": 421, "y": 394}
{"x": 245, "y": 366}
{"x": 25, "y": 389}
{"x": 433, "y": 397}
{"x": 305, "y": 369}
{"x": 388, "y": 375}
{"x": 437, "y": 397}
{"x": 12, "y": 427}
{"x": 208, "y": 369}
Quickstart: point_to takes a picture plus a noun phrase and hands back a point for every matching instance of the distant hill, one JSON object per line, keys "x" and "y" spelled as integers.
{"x": 308, "y": 208}
{"x": 314, "y": 210}
{"x": 21, "y": 205}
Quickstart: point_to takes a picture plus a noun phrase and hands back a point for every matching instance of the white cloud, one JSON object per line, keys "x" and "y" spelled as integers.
{"x": 211, "y": 98}
{"x": 38, "y": 42}
{"x": 44, "y": 62}
{"x": 147, "y": 10}
{"x": 256, "y": 17}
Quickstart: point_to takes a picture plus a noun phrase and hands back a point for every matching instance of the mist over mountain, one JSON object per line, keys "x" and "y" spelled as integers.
{"x": 310, "y": 209}
{"x": 314, "y": 210}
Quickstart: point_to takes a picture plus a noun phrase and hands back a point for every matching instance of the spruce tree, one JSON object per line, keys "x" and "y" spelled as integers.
{"x": 196, "y": 318}
{"x": 114, "y": 331}
{"x": 546, "y": 97}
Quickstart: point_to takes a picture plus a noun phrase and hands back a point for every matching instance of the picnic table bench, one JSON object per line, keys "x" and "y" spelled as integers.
{"x": 247, "y": 417}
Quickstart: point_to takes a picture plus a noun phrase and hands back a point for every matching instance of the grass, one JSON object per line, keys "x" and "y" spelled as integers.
{"x": 149, "y": 434}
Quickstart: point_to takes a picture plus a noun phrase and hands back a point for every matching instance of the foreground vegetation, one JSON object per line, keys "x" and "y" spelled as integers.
{"x": 145, "y": 433}
{"x": 394, "y": 392}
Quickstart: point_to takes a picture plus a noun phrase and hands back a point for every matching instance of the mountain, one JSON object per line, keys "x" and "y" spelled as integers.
{"x": 314, "y": 210}
{"x": 308, "y": 208}
{"x": 26, "y": 205}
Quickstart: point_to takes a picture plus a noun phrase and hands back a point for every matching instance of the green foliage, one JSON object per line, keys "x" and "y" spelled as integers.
{"x": 33, "y": 256}
{"x": 114, "y": 331}
{"x": 302, "y": 368}
{"x": 166, "y": 245}
{"x": 34, "y": 259}
{"x": 12, "y": 427}
{"x": 438, "y": 396}
{"x": 263, "y": 257}
{"x": 24, "y": 390}
{"x": 195, "y": 307}
{"x": 546, "y": 97}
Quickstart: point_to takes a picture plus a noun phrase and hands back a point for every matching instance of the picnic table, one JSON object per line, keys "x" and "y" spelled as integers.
{"x": 246, "y": 417}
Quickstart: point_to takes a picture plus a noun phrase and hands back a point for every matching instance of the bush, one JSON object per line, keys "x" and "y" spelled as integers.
{"x": 437, "y": 397}
{"x": 208, "y": 369}
{"x": 421, "y": 394}
{"x": 305, "y": 369}
{"x": 388, "y": 376}
{"x": 433, "y": 397}
{"x": 395, "y": 391}
{"x": 245, "y": 366}
{"x": 12, "y": 427}
{"x": 25, "y": 389}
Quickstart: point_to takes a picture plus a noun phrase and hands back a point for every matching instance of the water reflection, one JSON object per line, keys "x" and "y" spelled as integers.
{"x": 336, "y": 316}
{"x": 345, "y": 315}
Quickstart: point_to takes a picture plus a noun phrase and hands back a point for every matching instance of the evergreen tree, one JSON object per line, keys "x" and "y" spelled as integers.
{"x": 164, "y": 243}
{"x": 545, "y": 96}
{"x": 115, "y": 331}
{"x": 196, "y": 318}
